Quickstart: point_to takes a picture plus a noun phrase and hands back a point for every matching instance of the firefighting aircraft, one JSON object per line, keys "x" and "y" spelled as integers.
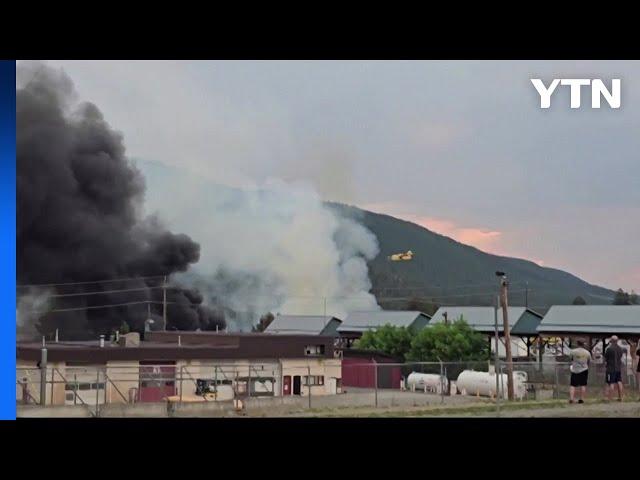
{"x": 401, "y": 257}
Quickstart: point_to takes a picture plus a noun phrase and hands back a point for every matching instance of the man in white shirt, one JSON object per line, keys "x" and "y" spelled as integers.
{"x": 580, "y": 359}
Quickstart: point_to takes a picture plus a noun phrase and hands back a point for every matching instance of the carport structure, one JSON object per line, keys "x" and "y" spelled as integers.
{"x": 592, "y": 323}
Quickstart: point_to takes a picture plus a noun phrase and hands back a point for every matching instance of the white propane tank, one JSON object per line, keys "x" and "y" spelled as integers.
{"x": 483, "y": 384}
{"x": 429, "y": 381}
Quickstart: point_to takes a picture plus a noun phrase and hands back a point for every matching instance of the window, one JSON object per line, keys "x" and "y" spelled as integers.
{"x": 314, "y": 350}
{"x": 314, "y": 380}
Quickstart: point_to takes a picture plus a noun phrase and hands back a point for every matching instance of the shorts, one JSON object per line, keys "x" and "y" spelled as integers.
{"x": 579, "y": 379}
{"x": 613, "y": 377}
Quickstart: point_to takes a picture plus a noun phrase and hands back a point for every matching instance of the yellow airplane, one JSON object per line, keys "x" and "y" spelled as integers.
{"x": 401, "y": 257}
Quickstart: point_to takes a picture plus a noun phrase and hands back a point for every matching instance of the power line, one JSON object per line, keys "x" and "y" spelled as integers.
{"x": 92, "y": 307}
{"x": 113, "y": 280}
{"x": 104, "y": 292}
{"x": 189, "y": 304}
{"x": 427, "y": 287}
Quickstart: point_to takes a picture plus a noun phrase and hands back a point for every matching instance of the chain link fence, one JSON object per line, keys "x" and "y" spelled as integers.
{"x": 268, "y": 389}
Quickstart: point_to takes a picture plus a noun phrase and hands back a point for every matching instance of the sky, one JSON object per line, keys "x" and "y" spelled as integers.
{"x": 460, "y": 147}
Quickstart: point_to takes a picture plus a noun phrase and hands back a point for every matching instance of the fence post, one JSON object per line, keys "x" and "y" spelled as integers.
{"x": 181, "y": 374}
{"x": 497, "y": 371}
{"x": 309, "y": 383}
{"x": 43, "y": 376}
{"x": 53, "y": 382}
{"x": 441, "y": 382}
{"x": 556, "y": 391}
{"x": 375, "y": 372}
{"x": 97, "y": 391}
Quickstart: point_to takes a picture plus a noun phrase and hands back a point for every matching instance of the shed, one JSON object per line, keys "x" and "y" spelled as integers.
{"x": 359, "y": 369}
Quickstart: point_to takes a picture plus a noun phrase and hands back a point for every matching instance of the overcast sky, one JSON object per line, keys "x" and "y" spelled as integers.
{"x": 459, "y": 147}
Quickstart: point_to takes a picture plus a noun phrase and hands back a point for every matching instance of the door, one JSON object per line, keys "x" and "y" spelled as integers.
{"x": 286, "y": 385}
{"x": 333, "y": 385}
{"x": 157, "y": 381}
{"x": 296, "y": 385}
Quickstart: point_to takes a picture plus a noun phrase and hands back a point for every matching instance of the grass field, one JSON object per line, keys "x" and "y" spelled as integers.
{"x": 549, "y": 408}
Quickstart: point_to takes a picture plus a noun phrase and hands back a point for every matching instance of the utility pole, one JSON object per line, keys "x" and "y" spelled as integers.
{"x": 507, "y": 336}
{"x": 497, "y": 354}
{"x": 164, "y": 303}
{"x": 43, "y": 374}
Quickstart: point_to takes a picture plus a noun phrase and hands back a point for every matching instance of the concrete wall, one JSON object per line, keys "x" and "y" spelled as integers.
{"x": 137, "y": 410}
{"x": 56, "y": 411}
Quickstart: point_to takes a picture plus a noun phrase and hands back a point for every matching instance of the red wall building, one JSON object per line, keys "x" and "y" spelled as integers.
{"x": 358, "y": 369}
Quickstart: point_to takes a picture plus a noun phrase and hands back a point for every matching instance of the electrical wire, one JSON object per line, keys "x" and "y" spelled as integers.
{"x": 104, "y": 292}
{"x": 114, "y": 280}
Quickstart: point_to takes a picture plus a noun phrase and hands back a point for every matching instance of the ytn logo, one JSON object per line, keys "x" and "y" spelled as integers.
{"x": 598, "y": 90}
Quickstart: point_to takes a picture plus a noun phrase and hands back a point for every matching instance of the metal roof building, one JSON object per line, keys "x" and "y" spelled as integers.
{"x": 304, "y": 325}
{"x": 592, "y": 320}
{"x": 359, "y": 322}
{"x": 523, "y": 322}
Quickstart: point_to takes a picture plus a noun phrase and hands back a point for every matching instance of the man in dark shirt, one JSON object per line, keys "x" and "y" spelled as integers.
{"x": 613, "y": 359}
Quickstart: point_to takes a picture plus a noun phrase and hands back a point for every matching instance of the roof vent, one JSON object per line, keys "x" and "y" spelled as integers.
{"x": 130, "y": 340}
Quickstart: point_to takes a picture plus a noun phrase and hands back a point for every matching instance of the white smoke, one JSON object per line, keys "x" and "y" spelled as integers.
{"x": 274, "y": 248}
{"x": 31, "y": 304}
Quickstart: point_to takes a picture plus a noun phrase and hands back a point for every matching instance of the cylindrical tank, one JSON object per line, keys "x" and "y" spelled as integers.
{"x": 432, "y": 382}
{"x": 484, "y": 384}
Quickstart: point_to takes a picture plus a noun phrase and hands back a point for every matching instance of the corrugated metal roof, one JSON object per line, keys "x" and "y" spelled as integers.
{"x": 300, "y": 324}
{"x": 481, "y": 318}
{"x": 607, "y": 319}
{"x": 363, "y": 321}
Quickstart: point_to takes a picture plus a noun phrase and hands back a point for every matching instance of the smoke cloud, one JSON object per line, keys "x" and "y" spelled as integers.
{"x": 270, "y": 248}
{"x": 79, "y": 204}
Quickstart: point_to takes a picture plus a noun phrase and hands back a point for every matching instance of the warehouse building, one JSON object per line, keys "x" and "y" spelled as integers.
{"x": 356, "y": 323}
{"x": 179, "y": 363}
{"x": 304, "y": 325}
{"x": 523, "y": 324}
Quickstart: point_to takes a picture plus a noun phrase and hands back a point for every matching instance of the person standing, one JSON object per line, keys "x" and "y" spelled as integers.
{"x": 613, "y": 360}
{"x": 638, "y": 368}
{"x": 580, "y": 360}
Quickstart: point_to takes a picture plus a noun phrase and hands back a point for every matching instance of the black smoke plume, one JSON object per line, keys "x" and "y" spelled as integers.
{"x": 78, "y": 220}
